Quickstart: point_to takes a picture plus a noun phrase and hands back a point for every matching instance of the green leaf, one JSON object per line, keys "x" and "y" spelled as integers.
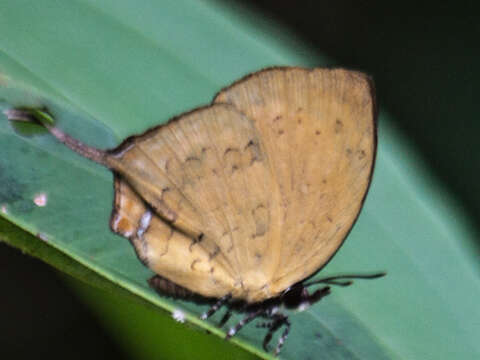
{"x": 109, "y": 69}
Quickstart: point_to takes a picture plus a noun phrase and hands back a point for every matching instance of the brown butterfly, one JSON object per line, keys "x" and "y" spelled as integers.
{"x": 239, "y": 202}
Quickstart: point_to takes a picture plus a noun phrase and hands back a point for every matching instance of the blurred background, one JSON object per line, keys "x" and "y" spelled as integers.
{"x": 424, "y": 60}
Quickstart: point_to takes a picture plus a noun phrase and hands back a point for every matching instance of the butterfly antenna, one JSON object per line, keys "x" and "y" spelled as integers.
{"x": 344, "y": 280}
{"x": 43, "y": 118}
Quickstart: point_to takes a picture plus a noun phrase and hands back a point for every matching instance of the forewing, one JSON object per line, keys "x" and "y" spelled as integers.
{"x": 207, "y": 174}
{"x": 319, "y": 130}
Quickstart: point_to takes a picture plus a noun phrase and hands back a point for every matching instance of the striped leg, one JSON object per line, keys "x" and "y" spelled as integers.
{"x": 225, "y": 318}
{"x": 265, "y": 324}
{"x": 233, "y": 330}
{"x": 213, "y": 309}
{"x": 275, "y": 324}
{"x": 284, "y": 336}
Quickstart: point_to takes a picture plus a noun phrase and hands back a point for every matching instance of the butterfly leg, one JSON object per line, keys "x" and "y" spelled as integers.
{"x": 225, "y": 318}
{"x": 265, "y": 324}
{"x": 278, "y": 321}
{"x": 233, "y": 330}
{"x": 213, "y": 309}
{"x": 284, "y": 336}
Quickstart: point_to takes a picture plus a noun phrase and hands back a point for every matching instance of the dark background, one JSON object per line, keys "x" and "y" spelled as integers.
{"x": 424, "y": 59}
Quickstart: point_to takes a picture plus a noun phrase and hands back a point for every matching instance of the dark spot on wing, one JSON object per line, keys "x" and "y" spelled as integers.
{"x": 231, "y": 156}
{"x": 230, "y": 149}
{"x": 164, "y": 190}
{"x": 214, "y": 253}
{"x": 195, "y": 241}
{"x": 192, "y": 265}
{"x": 338, "y": 126}
{"x": 254, "y": 149}
{"x": 192, "y": 158}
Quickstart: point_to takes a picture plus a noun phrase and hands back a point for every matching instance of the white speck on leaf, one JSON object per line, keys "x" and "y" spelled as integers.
{"x": 40, "y": 199}
{"x": 3, "y": 209}
{"x": 178, "y": 315}
{"x": 42, "y": 236}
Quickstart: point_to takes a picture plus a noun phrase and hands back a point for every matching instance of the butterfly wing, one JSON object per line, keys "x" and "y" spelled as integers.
{"x": 166, "y": 250}
{"x": 207, "y": 175}
{"x": 318, "y": 126}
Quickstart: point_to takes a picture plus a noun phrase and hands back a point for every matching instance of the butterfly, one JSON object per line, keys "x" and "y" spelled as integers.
{"x": 240, "y": 202}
